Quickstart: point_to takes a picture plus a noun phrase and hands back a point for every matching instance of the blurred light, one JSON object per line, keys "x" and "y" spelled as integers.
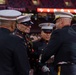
{"x": 62, "y": 10}
{"x": 67, "y": 3}
{"x": 68, "y": 10}
{"x": 48, "y": 10}
{"x": 36, "y": 2}
{"x": 41, "y": 10}
{"x": 53, "y": 10}
{"x": 75, "y": 11}
{"x": 2, "y": 1}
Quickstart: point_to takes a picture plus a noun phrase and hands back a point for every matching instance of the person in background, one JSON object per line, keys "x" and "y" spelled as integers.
{"x": 62, "y": 45}
{"x": 35, "y": 37}
{"x": 38, "y": 46}
{"x": 13, "y": 53}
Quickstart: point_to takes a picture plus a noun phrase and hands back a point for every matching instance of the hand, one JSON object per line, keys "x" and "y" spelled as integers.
{"x": 31, "y": 72}
{"x": 45, "y": 69}
{"x": 34, "y": 38}
{"x": 50, "y": 60}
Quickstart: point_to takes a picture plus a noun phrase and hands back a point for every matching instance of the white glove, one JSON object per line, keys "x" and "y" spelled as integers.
{"x": 45, "y": 69}
{"x": 31, "y": 72}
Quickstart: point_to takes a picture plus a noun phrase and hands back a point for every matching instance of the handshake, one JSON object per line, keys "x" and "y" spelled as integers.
{"x": 45, "y": 69}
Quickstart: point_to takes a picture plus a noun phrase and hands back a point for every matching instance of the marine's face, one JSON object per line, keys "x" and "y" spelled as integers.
{"x": 45, "y": 36}
{"x": 23, "y": 28}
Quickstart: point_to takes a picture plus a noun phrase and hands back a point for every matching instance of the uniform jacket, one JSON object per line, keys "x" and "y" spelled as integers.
{"x": 13, "y": 54}
{"x": 38, "y": 47}
{"x": 62, "y": 44}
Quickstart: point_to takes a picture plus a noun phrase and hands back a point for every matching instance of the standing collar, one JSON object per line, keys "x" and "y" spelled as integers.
{"x": 66, "y": 26}
{"x": 5, "y": 30}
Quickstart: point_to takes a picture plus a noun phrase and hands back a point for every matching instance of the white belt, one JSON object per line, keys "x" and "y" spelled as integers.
{"x": 63, "y": 62}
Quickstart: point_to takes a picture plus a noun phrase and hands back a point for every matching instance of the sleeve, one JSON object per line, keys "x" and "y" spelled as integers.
{"x": 21, "y": 59}
{"x": 52, "y": 47}
{"x": 35, "y": 47}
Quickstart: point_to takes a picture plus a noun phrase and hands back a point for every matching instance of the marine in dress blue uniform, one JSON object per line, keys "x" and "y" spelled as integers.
{"x": 13, "y": 53}
{"x": 63, "y": 45}
{"x": 23, "y": 29}
{"x": 38, "y": 46}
